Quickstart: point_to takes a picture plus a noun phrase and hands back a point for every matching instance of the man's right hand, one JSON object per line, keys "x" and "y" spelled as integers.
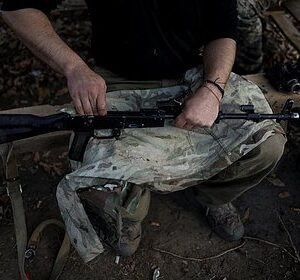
{"x": 87, "y": 90}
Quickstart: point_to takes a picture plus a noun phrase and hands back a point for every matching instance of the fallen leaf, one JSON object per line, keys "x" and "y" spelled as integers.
{"x": 39, "y": 204}
{"x": 155, "y": 224}
{"x": 43, "y": 94}
{"x": 47, "y": 167}
{"x": 27, "y": 157}
{"x": 58, "y": 170}
{"x": 284, "y": 195}
{"x": 246, "y": 215}
{"x": 46, "y": 154}
{"x": 36, "y": 157}
{"x": 276, "y": 182}
{"x": 63, "y": 155}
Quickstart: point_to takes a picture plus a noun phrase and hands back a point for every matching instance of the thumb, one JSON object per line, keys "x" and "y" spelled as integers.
{"x": 180, "y": 121}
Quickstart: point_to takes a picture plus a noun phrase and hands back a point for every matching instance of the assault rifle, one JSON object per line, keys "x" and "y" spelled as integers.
{"x": 20, "y": 126}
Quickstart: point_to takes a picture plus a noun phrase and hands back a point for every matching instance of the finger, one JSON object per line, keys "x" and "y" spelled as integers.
{"x": 87, "y": 108}
{"x": 210, "y": 125}
{"x": 188, "y": 125}
{"x": 93, "y": 103}
{"x": 101, "y": 105}
{"x": 78, "y": 106}
{"x": 203, "y": 126}
{"x": 180, "y": 121}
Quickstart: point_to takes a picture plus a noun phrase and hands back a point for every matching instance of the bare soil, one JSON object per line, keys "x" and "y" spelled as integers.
{"x": 174, "y": 225}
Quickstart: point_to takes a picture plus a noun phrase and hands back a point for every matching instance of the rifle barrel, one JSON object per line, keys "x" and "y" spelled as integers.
{"x": 258, "y": 117}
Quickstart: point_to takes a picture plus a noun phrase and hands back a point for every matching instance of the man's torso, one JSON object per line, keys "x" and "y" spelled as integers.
{"x": 150, "y": 39}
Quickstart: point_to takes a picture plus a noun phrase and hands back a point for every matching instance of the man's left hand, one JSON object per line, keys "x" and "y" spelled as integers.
{"x": 201, "y": 110}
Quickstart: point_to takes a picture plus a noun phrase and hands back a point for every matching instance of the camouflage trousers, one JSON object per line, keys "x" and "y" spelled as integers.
{"x": 222, "y": 162}
{"x": 231, "y": 182}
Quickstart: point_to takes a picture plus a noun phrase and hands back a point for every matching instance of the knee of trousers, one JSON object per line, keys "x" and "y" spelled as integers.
{"x": 271, "y": 150}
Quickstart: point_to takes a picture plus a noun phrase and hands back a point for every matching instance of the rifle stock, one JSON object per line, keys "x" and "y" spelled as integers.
{"x": 16, "y": 127}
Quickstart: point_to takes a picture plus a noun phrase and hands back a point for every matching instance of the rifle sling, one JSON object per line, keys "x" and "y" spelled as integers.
{"x": 63, "y": 252}
{"x": 9, "y": 165}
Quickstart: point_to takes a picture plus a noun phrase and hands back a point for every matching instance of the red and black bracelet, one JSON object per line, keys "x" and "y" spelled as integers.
{"x": 216, "y": 85}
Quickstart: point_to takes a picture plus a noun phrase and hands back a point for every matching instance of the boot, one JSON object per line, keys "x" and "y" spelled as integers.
{"x": 117, "y": 219}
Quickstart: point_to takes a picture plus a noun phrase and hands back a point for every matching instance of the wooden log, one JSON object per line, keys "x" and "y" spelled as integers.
{"x": 275, "y": 98}
{"x": 294, "y": 8}
{"x": 286, "y": 26}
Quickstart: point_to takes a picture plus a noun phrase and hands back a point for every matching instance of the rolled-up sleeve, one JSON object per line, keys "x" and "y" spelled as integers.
{"x": 220, "y": 19}
{"x": 43, "y": 5}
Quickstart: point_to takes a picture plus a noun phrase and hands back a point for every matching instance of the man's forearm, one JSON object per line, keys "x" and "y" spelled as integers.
{"x": 202, "y": 109}
{"x": 87, "y": 89}
{"x": 36, "y": 32}
{"x": 219, "y": 56}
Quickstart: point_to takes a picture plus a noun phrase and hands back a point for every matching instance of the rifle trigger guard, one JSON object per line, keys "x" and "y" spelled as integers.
{"x": 115, "y": 133}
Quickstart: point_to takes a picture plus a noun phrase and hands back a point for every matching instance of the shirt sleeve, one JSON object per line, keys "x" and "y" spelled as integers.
{"x": 220, "y": 19}
{"x": 43, "y": 5}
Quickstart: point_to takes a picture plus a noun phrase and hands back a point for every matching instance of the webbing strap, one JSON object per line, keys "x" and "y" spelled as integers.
{"x": 9, "y": 165}
{"x": 63, "y": 252}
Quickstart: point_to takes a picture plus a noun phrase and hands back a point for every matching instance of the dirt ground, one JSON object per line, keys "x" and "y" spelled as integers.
{"x": 173, "y": 224}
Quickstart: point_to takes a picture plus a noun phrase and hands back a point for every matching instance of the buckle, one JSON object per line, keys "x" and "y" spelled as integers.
{"x": 30, "y": 253}
{"x": 7, "y": 190}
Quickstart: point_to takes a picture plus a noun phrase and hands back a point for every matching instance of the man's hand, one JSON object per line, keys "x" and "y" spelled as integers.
{"x": 88, "y": 91}
{"x": 201, "y": 110}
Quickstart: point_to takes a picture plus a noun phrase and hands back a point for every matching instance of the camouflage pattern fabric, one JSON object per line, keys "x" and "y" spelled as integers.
{"x": 162, "y": 159}
{"x": 250, "y": 29}
{"x": 249, "y": 51}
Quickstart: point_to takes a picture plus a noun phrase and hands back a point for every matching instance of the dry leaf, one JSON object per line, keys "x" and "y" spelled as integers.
{"x": 47, "y": 167}
{"x": 246, "y": 215}
{"x": 39, "y": 204}
{"x": 36, "y": 157}
{"x": 27, "y": 157}
{"x": 63, "y": 155}
{"x": 155, "y": 224}
{"x": 284, "y": 195}
{"x": 45, "y": 155}
{"x": 43, "y": 94}
{"x": 276, "y": 182}
{"x": 58, "y": 170}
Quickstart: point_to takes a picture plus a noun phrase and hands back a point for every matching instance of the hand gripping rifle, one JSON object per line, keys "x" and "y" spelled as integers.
{"x": 19, "y": 126}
